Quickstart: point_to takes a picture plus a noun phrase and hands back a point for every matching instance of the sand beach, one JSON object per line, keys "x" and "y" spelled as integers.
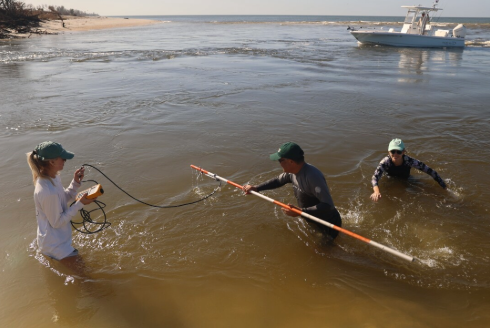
{"x": 83, "y": 23}
{"x": 73, "y": 23}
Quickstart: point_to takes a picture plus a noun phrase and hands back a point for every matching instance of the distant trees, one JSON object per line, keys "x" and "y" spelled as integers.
{"x": 7, "y": 6}
{"x": 57, "y": 13}
{"x": 13, "y": 8}
{"x": 16, "y": 15}
{"x": 65, "y": 11}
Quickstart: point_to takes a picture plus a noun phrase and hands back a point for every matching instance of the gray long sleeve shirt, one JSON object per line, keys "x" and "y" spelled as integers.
{"x": 310, "y": 189}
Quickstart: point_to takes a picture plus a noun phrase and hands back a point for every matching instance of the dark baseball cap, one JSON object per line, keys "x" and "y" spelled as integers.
{"x": 50, "y": 150}
{"x": 288, "y": 150}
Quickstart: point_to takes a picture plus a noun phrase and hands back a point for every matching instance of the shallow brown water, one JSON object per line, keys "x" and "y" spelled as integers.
{"x": 235, "y": 260}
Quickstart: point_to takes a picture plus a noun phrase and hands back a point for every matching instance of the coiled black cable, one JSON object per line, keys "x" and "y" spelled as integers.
{"x": 87, "y": 220}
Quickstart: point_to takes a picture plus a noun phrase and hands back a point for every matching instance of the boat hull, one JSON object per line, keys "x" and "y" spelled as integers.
{"x": 397, "y": 39}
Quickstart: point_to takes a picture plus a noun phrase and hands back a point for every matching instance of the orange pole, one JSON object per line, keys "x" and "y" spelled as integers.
{"x": 311, "y": 217}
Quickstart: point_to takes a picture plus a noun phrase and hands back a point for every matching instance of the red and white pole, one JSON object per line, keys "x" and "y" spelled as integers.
{"x": 311, "y": 217}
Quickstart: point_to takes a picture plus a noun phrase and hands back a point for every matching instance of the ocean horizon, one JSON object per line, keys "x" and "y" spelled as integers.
{"x": 279, "y": 18}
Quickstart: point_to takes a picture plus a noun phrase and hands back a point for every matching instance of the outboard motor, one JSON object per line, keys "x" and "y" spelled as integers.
{"x": 459, "y": 31}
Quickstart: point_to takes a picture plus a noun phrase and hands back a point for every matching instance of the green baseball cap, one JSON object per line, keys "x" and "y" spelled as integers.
{"x": 50, "y": 150}
{"x": 288, "y": 150}
{"x": 396, "y": 144}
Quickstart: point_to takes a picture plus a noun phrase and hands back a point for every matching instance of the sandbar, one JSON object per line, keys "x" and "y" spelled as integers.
{"x": 74, "y": 23}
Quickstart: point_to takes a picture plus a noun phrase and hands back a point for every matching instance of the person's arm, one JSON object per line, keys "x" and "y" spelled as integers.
{"x": 378, "y": 174}
{"x": 316, "y": 210}
{"x": 376, "y": 195}
{"x": 273, "y": 183}
{"x": 424, "y": 168}
{"x": 71, "y": 191}
{"x": 51, "y": 206}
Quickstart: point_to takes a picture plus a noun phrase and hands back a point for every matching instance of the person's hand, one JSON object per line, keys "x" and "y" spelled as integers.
{"x": 79, "y": 174}
{"x": 85, "y": 201}
{"x": 375, "y": 196}
{"x": 248, "y": 188}
{"x": 289, "y": 212}
{"x": 443, "y": 185}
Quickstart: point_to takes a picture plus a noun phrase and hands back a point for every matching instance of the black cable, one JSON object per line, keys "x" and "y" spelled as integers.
{"x": 87, "y": 219}
{"x": 86, "y": 214}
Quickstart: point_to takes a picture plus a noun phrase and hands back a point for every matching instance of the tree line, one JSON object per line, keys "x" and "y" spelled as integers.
{"x": 23, "y": 18}
{"x": 65, "y": 11}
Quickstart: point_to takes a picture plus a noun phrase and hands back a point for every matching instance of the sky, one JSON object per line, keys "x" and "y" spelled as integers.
{"x": 452, "y": 8}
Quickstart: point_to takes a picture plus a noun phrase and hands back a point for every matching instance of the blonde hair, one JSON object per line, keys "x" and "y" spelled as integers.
{"x": 38, "y": 167}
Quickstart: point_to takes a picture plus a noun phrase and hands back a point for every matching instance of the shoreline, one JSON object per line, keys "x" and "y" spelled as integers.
{"x": 80, "y": 24}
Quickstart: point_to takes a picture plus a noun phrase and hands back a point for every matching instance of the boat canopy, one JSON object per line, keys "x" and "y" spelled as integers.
{"x": 421, "y": 8}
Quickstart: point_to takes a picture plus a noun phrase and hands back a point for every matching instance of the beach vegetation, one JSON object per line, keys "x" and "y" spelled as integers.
{"x": 62, "y": 10}
{"x": 17, "y": 17}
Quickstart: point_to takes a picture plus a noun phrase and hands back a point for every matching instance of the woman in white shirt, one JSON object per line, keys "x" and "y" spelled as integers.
{"x": 54, "y": 237}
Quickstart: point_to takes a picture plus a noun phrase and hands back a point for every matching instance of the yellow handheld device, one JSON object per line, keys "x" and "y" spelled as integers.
{"x": 92, "y": 192}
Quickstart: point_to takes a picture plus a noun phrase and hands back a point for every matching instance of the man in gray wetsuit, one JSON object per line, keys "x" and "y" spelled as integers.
{"x": 309, "y": 185}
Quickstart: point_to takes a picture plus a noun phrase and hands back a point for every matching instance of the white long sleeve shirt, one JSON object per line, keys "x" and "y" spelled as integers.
{"x": 53, "y": 215}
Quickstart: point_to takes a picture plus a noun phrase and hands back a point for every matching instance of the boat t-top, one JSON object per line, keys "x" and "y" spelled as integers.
{"x": 417, "y": 31}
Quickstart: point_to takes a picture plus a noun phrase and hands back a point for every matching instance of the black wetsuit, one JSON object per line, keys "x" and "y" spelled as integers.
{"x": 312, "y": 193}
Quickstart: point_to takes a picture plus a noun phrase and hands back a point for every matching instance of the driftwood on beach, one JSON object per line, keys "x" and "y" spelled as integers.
{"x": 16, "y": 17}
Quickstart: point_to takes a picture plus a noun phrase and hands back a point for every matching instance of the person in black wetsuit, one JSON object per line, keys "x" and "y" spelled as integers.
{"x": 398, "y": 164}
{"x": 309, "y": 185}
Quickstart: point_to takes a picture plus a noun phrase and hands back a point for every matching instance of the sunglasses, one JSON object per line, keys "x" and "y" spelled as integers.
{"x": 399, "y": 152}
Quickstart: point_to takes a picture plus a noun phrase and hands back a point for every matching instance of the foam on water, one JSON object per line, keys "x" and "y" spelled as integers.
{"x": 478, "y": 43}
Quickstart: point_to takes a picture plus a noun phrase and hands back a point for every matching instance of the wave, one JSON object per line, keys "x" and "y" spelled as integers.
{"x": 293, "y": 51}
{"x": 471, "y": 25}
{"x": 478, "y": 43}
{"x": 153, "y": 55}
{"x": 321, "y": 22}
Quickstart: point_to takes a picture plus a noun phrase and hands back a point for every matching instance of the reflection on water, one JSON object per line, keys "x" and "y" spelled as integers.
{"x": 415, "y": 62}
{"x": 412, "y": 63}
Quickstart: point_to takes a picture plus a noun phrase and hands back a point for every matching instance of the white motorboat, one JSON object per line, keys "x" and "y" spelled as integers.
{"x": 417, "y": 31}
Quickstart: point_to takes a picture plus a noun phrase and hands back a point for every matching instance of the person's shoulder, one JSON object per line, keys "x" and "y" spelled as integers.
{"x": 411, "y": 161}
{"x": 385, "y": 160}
{"x": 308, "y": 166}
{"x": 45, "y": 185}
{"x": 408, "y": 159}
{"x": 42, "y": 182}
{"x": 312, "y": 170}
